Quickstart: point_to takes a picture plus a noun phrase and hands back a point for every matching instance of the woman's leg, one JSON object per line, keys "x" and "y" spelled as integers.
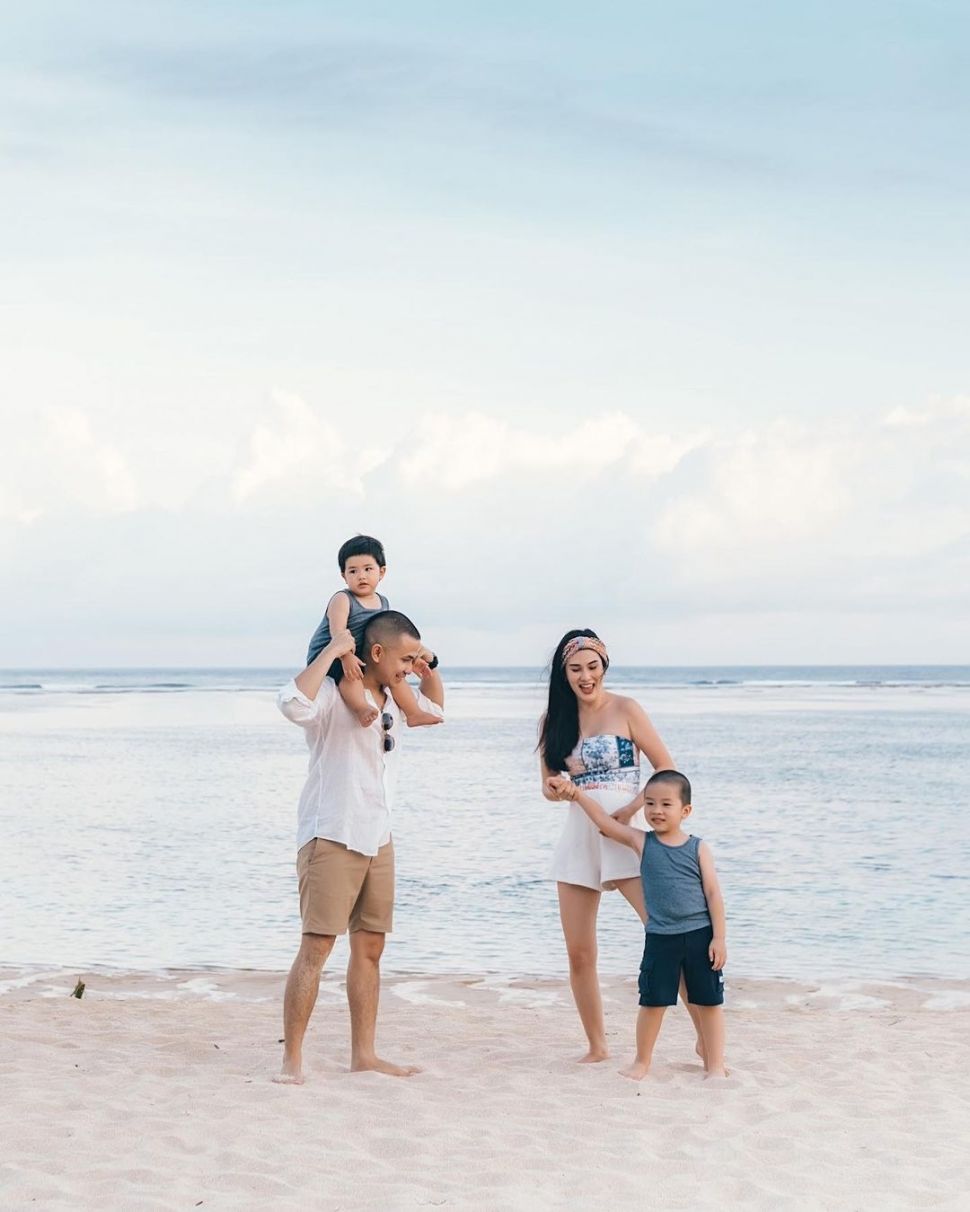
{"x": 578, "y": 907}
{"x": 632, "y": 889}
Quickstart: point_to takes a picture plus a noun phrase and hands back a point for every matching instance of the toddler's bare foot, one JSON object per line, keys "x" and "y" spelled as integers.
{"x": 376, "y": 1065}
{"x": 637, "y": 1071}
{"x": 366, "y": 715}
{"x": 593, "y": 1056}
{"x": 418, "y": 719}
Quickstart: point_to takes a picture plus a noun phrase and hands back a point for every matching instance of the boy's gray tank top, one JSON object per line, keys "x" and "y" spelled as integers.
{"x": 357, "y": 620}
{"x": 672, "y": 887}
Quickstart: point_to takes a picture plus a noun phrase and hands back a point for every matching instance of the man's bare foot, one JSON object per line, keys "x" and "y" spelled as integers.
{"x": 376, "y": 1065}
{"x": 366, "y": 715}
{"x": 593, "y": 1056}
{"x": 418, "y": 719}
{"x": 635, "y": 1072}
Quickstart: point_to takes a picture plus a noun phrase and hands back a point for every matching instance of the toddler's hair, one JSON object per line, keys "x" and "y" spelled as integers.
{"x": 361, "y": 545}
{"x": 680, "y": 781}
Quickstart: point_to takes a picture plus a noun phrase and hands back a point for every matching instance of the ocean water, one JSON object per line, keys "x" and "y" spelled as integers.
{"x": 148, "y": 821}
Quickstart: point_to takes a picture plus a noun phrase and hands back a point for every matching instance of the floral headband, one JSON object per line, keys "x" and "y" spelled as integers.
{"x": 579, "y": 642}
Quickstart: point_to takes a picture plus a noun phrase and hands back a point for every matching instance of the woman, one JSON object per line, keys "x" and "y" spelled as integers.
{"x": 597, "y": 737}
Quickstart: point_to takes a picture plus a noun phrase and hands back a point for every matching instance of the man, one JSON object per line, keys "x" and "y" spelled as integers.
{"x": 345, "y": 858}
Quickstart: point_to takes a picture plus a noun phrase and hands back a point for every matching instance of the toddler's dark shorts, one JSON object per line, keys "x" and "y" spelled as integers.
{"x": 665, "y": 956}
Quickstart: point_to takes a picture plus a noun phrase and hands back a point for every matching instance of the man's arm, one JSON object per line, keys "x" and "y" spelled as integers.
{"x": 311, "y": 679}
{"x": 715, "y": 906}
{"x": 432, "y": 686}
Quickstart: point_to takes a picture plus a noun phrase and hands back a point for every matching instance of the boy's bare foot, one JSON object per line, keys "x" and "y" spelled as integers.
{"x": 636, "y": 1072}
{"x": 366, "y": 715}
{"x": 593, "y": 1056}
{"x": 376, "y": 1065}
{"x": 291, "y": 1074}
{"x": 418, "y": 719}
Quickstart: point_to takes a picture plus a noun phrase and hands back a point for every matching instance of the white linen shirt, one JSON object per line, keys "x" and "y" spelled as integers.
{"x": 349, "y": 789}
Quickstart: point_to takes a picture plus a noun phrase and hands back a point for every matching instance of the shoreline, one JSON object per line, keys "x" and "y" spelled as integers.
{"x": 210, "y": 982}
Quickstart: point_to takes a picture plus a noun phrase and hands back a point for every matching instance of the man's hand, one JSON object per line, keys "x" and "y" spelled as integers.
{"x": 421, "y": 667}
{"x": 341, "y": 642}
{"x": 717, "y": 953}
{"x": 353, "y": 667}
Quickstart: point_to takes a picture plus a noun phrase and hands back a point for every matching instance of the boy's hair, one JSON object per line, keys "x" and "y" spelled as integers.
{"x": 360, "y": 545}
{"x": 680, "y": 781}
{"x": 383, "y": 628}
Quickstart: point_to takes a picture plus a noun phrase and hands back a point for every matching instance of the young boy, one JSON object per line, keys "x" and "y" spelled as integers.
{"x": 685, "y": 915}
{"x": 362, "y": 565}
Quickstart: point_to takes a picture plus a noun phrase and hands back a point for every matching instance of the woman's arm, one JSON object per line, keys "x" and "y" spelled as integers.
{"x": 715, "y": 906}
{"x": 646, "y": 738}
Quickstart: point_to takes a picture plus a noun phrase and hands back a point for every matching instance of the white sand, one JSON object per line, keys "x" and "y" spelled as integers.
{"x": 155, "y": 1092}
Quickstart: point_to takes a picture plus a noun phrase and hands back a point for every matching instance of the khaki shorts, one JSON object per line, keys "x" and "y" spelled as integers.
{"x": 341, "y": 888}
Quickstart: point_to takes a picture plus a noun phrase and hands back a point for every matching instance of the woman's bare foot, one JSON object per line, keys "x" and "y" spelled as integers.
{"x": 418, "y": 719}
{"x": 637, "y": 1071}
{"x": 720, "y": 1071}
{"x": 366, "y": 715}
{"x": 376, "y": 1065}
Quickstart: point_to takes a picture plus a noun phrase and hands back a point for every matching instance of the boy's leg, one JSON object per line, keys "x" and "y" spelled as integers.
{"x": 712, "y": 1028}
{"x": 407, "y": 700}
{"x": 649, "y": 1019}
{"x": 352, "y": 693}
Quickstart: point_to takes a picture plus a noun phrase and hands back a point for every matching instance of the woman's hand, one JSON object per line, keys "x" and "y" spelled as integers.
{"x": 560, "y": 787}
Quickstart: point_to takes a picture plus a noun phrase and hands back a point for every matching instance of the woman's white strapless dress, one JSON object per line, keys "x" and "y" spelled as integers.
{"x": 611, "y": 776}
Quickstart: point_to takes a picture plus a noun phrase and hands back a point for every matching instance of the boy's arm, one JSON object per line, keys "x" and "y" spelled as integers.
{"x": 605, "y": 823}
{"x": 338, "y": 612}
{"x": 715, "y": 905}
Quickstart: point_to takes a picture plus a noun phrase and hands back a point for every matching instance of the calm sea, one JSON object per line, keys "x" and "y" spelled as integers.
{"x": 148, "y": 820}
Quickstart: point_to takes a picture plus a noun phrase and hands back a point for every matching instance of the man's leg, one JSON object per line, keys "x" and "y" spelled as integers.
{"x": 298, "y": 1001}
{"x": 363, "y": 994}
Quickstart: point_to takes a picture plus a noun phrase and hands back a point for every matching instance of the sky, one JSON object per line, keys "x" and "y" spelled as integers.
{"x": 644, "y": 317}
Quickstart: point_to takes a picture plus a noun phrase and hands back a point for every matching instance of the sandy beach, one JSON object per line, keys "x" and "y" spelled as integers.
{"x": 154, "y": 1091}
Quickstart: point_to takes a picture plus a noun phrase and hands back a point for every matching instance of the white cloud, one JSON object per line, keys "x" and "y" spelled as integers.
{"x": 57, "y": 463}
{"x": 302, "y": 451}
{"x": 455, "y": 452}
{"x": 759, "y": 489}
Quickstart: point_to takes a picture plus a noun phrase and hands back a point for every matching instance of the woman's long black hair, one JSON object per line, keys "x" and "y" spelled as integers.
{"x": 560, "y": 725}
